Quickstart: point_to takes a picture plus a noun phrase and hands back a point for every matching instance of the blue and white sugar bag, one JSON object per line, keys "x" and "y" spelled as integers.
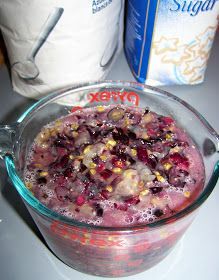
{"x": 169, "y": 41}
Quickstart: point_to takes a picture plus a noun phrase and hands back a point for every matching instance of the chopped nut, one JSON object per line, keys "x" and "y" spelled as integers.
{"x": 160, "y": 178}
{"x": 38, "y": 165}
{"x": 134, "y": 152}
{"x": 71, "y": 157}
{"x": 126, "y": 122}
{"x": 100, "y": 109}
{"x": 74, "y": 126}
{"x": 92, "y": 165}
{"x": 187, "y": 194}
{"x": 43, "y": 174}
{"x": 53, "y": 132}
{"x": 159, "y": 202}
{"x": 117, "y": 170}
{"x": 167, "y": 165}
{"x": 109, "y": 188}
{"x": 29, "y": 185}
{"x": 44, "y": 135}
{"x": 148, "y": 118}
{"x": 175, "y": 150}
{"x": 141, "y": 184}
{"x": 103, "y": 157}
{"x": 168, "y": 136}
{"x": 144, "y": 192}
{"x": 87, "y": 149}
{"x": 93, "y": 171}
{"x": 144, "y": 135}
{"x": 155, "y": 201}
{"x": 79, "y": 157}
{"x": 74, "y": 134}
{"x": 58, "y": 123}
{"x": 44, "y": 146}
{"x": 110, "y": 144}
{"x": 58, "y": 126}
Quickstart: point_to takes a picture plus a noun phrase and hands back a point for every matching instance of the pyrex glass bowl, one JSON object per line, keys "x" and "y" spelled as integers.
{"x": 107, "y": 251}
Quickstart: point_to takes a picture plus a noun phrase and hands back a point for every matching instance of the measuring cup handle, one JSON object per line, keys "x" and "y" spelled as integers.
{"x": 7, "y": 136}
{"x": 46, "y": 30}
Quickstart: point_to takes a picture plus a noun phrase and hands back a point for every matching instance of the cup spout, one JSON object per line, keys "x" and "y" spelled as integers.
{"x": 7, "y": 136}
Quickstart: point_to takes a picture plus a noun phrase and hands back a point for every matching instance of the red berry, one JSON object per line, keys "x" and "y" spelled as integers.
{"x": 105, "y": 194}
{"x": 151, "y": 132}
{"x": 142, "y": 154}
{"x": 100, "y": 167}
{"x": 80, "y": 200}
{"x": 59, "y": 179}
{"x": 132, "y": 201}
{"x": 64, "y": 161}
{"x": 167, "y": 120}
{"x": 122, "y": 206}
{"x": 76, "y": 108}
{"x": 118, "y": 163}
{"x": 106, "y": 174}
{"x": 179, "y": 160}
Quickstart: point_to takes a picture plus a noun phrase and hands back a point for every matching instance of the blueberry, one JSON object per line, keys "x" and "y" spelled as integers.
{"x": 120, "y": 136}
{"x": 131, "y": 135}
{"x": 156, "y": 190}
{"x": 158, "y": 213}
{"x": 82, "y": 167}
{"x": 99, "y": 210}
{"x": 59, "y": 143}
{"x": 146, "y": 111}
{"x": 68, "y": 172}
{"x": 41, "y": 180}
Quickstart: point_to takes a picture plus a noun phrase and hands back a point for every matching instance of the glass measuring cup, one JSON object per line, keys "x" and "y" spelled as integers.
{"x": 107, "y": 251}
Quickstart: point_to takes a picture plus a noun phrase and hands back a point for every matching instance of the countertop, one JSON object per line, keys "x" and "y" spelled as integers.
{"x": 23, "y": 254}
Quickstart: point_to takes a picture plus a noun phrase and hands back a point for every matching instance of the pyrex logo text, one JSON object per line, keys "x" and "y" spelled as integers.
{"x": 83, "y": 238}
{"x": 105, "y": 96}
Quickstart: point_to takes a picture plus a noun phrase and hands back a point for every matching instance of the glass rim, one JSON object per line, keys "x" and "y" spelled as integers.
{"x": 45, "y": 211}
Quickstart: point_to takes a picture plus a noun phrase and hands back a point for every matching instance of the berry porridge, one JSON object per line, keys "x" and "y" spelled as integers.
{"x": 114, "y": 166}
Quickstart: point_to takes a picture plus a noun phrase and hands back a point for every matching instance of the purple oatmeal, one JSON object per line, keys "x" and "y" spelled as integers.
{"x": 114, "y": 166}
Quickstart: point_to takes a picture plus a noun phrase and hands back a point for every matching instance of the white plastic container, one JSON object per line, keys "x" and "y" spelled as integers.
{"x": 52, "y": 44}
